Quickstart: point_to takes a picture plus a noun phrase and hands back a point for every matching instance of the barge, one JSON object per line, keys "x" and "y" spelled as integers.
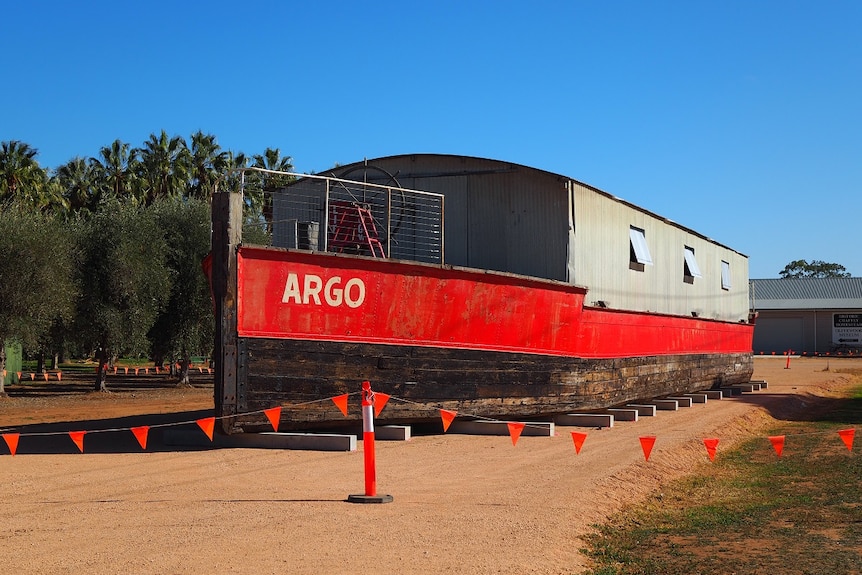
{"x": 370, "y": 279}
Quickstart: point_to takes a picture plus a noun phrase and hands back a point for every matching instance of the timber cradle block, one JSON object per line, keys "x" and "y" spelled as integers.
{"x": 585, "y": 420}
{"x": 731, "y": 391}
{"x": 697, "y": 397}
{"x": 681, "y": 401}
{"x": 623, "y": 414}
{"x": 479, "y": 427}
{"x": 714, "y": 394}
{"x": 392, "y": 432}
{"x": 298, "y": 441}
{"x": 643, "y": 410}
{"x": 665, "y": 404}
{"x": 744, "y": 387}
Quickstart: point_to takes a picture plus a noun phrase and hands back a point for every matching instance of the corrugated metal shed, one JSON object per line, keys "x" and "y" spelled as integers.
{"x": 512, "y": 218}
{"x": 806, "y": 293}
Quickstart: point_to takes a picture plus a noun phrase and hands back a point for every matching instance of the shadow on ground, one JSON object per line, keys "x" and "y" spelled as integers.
{"x": 113, "y": 435}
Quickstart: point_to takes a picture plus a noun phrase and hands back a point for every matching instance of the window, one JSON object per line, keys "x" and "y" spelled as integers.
{"x": 690, "y": 268}
{"x": 725, "y": 275}
{"x": 638, "y": 250}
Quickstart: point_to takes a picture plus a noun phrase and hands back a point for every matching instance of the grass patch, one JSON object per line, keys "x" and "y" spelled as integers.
{"x": 751, "y": 512}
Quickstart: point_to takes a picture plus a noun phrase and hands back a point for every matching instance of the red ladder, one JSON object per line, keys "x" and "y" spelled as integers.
{"x": 353, "y": 229}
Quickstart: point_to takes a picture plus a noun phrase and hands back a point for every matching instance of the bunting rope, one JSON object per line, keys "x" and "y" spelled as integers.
{"x": 380, "y": 400}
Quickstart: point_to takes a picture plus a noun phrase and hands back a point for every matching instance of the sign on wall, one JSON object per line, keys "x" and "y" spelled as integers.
{"x": 847, "y": 329}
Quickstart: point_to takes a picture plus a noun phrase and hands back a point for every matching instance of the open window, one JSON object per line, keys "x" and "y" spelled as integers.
{"x": 725, "y": 275}
{"x": 690, "y": 267}
{"x": 639, "y": 255}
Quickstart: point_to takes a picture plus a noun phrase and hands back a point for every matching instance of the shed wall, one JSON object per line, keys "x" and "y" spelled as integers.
{"x": 602, "y": 258}
{"x": 498, "y": 216}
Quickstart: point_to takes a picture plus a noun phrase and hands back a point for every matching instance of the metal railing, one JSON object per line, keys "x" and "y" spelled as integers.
{"x": 322, "y": 213}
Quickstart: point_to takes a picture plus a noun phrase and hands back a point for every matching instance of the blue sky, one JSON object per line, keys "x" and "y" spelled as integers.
{"x": 739, "y": 119}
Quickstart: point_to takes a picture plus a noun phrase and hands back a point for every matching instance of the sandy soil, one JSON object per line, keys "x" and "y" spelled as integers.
{"x": 461, "y": 504}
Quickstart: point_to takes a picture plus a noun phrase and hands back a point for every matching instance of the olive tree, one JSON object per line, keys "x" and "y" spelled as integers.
{"x": 124, "y": 282}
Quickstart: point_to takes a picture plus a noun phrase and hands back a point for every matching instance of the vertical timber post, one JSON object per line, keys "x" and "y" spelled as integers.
{"x": 226, "y": 237}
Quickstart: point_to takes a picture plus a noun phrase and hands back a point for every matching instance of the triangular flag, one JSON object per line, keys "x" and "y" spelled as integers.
{"x": 207, "y": 424}
{"x": 380, "y": 400}
{"x": 647, "y": 443}
{"x": 711, "y": 444}
{"x": 273, "y": 414}
{"x": 78, "y": 438}
{"x": 11, "y": 441}
{"x": 777, "y": 443}
{"x": 847, "y": 437}
{"x": 448, "y": 417}
{"x": 515, "y": 430}
{"x": 340, "y": 401}
{"x": 141, "y": 435}
{"x": 579, "y": 439}
{"x": 59, "y": 376}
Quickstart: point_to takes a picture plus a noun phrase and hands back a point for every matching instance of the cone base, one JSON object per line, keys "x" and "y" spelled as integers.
{"x": 369, "y": 499}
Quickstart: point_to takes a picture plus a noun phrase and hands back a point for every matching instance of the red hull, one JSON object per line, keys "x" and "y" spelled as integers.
{"x": 318, "y": 297}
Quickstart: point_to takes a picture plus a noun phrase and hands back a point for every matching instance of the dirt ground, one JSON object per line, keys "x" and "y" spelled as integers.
{"x": 462, "y": 504}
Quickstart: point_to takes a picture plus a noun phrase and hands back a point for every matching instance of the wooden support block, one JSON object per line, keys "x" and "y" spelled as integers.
{"x": 643, "y": 410}
{"x": 478, "y": 427}
{"x": 623, "y": 414}
{"x": 585, "y": 419}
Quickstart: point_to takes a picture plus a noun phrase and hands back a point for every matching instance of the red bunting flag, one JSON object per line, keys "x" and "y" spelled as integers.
{"x": 515, "y": 430}
{"x": 448, "y": 417}
{"x": 11, "y": 441}
{"x": 78, "y": 438}
{"x": 273, "y": 414}
{"x": 578, "y": 438}
{"x": 59, "y": 376}
{"x": 341, "y": 402}
{"x": 141, "y": 435}
{"x": 380, "y": 400}
{"x": 847, "y": 437}
{"x": 207, "y": 424}
{"x": 647, "y": 443}
{"x": 777, "y": 443}
{"x": 711, "y": 444}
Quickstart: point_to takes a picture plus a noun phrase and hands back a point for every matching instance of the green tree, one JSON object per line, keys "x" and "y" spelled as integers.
{"x": 18, "y": 168}
{"x": 815, "y": 269}
{"x": 186, "y": 324}
{"x": 163, "y": 168}
{"x": 115, "y": 169}
{"x": 37, "y": 286}
{"x": 263, "y": 184}
{"x": 123, "y": 282}
{"x": 207, "y": 161}
{"x": 80, "y": 186}
{"x": 23, "y": 180}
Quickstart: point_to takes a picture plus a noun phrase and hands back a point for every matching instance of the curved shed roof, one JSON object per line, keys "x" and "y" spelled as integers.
{"x": 430, "y": 165}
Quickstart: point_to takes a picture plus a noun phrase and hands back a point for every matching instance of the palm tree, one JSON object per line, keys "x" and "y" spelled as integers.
{"x": 79, "y": 185}
{"x": 206, "y": 162}
{"x": 18, "y": 168}
{"x": 163, "y": 167}
{"x": 272, "y": 160}
{"x": 116, "y": 166}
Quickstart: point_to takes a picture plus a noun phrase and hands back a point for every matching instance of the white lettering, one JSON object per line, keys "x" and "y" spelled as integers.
{"x": 360, "y": 297}
{"x": 291, "y": 289}
{"x": 333, "y": 294}
{"x": 312, "y": 289}
{"x": 307, "y": 291}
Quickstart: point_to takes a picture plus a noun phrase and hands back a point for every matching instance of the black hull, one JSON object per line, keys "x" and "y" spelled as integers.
{"x": 296, "y": 374}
